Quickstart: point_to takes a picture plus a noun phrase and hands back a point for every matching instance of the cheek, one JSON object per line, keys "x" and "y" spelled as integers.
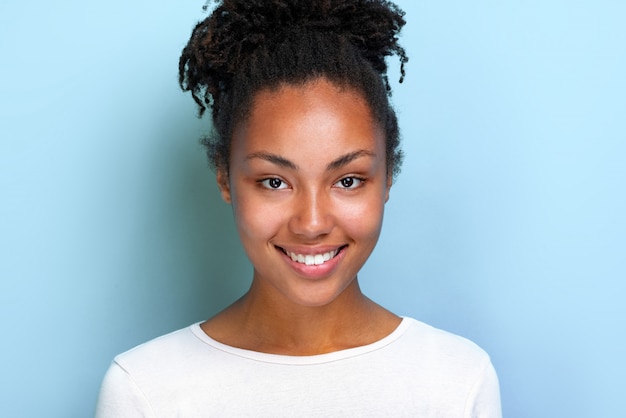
{"x": 364, "y": 219}
{"x": 254, "y": 220}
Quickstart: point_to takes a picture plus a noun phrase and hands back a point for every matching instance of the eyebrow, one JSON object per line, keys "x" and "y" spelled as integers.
{"x": 347, "y": 158}
{"x": 272, "y": 158}
{"x": 333, "y": 165}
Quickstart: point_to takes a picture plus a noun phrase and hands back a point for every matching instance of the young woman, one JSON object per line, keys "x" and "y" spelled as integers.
{"x": 305, "y": 149}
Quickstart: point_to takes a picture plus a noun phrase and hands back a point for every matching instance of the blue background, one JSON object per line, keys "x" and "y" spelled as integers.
{"x": 506, "y": 225}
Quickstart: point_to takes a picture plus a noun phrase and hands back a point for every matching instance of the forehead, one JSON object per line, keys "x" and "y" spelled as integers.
{"x": 318, "y": 114}
{"x": 310, "y": 94}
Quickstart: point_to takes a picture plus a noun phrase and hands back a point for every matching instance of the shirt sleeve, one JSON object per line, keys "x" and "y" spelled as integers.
{"x": 484, "y": 400}
{"x": 120, "y": 396}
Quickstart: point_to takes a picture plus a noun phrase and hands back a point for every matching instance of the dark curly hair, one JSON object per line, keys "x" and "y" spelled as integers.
{"x": 246, "y": 46}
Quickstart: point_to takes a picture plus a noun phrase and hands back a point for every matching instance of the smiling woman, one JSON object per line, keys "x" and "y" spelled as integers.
{"x": 305, "y": 150}
{"x": 307, "y": 178}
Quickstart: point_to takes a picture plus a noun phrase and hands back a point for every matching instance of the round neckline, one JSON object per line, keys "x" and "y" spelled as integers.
{"x": 302, "y": 360}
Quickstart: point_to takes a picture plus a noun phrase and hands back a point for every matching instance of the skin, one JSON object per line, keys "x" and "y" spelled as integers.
{"x": 307, "y": 176}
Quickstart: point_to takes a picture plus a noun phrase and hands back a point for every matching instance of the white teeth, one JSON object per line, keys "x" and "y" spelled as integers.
{"x": 312, "y": 259}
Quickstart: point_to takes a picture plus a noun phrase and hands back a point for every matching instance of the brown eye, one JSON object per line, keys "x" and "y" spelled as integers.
{"x": 273, "y": 183}
{"x": 349, "y": 183}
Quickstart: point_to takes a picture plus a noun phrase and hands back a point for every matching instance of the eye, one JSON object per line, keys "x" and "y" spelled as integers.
{"x": 350, "y": 183}
{"x": 273, "y": 183}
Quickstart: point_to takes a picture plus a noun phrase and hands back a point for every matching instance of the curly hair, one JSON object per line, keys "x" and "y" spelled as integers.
{"x": 245, "y": 46}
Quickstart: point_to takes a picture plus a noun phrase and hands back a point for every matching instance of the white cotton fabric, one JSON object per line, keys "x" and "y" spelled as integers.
{"x": 416, "y": 371}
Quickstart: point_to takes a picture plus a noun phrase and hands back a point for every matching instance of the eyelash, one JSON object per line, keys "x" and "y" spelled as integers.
{"x": 359, "y": 182}
{"x": 267, "y": 183}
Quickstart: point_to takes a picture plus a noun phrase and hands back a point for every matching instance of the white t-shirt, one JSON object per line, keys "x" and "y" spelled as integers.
{"x": 416, "y": 371}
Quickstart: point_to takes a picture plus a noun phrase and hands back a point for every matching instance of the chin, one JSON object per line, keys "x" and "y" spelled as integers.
{"x": 317, "y": 298}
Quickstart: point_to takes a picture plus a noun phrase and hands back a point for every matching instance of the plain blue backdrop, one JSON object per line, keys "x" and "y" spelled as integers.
{"x": 506, "y": 225}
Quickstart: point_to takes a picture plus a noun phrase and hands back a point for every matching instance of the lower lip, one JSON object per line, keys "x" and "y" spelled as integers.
{"x": 314, "y": 272}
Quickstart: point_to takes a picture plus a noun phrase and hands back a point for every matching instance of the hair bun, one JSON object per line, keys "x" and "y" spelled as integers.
{"x": 236, "y": 28}
{"x": 370, "y": 25}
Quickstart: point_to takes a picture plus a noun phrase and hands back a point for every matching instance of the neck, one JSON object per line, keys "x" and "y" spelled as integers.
{"x": 257, "y": 323}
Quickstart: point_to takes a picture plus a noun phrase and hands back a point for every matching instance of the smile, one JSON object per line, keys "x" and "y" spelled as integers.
{"x": 312, "y": 259}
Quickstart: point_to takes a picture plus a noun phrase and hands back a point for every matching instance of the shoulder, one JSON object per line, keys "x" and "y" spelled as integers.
{"x": 441, "y": 351}
{"x": 183, "y": 357}
{"x": 429, "y": 338}
{"x": 174, "y": 351}
{"x": 149, "y": 377}
{"x": 449, "y": 367}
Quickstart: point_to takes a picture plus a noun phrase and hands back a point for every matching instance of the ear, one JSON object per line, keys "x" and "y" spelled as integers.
{"x": 388, "y": 187}
{"x": 223, "y": 184}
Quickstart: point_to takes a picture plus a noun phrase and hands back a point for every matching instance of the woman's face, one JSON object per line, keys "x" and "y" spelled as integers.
{"x": 308, "y": 183}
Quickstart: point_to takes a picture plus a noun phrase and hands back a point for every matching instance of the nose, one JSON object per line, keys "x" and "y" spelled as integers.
{"x": 312, "y": 215}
